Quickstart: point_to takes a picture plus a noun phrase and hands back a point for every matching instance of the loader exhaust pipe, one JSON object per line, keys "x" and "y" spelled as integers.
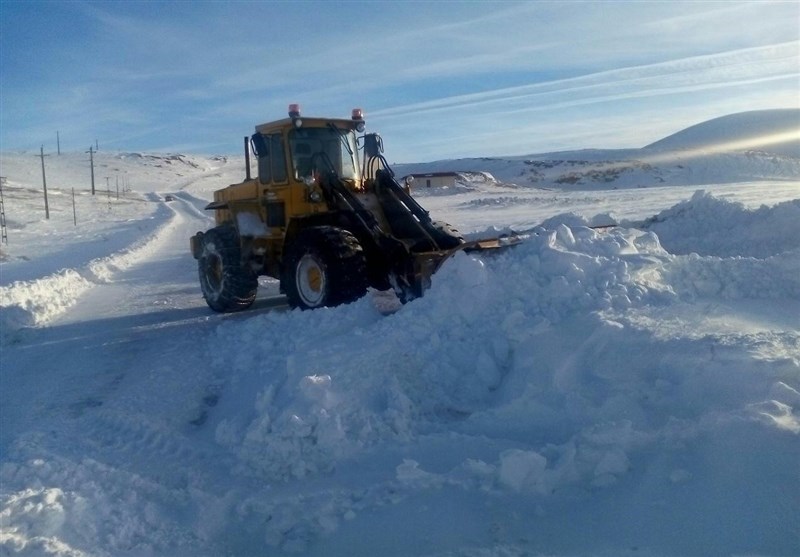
{"x": 246, "y": 158}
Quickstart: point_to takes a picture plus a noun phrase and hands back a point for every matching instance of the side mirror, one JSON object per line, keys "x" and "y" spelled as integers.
{"x": 408, "y": 181}
{"x": 260, "y": 145}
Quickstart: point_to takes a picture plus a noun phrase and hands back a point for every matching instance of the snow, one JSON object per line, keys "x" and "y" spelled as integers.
{"x": 776, "y": 131}
{"x": 632, "y": 390}
{"x": 744, "y": 147}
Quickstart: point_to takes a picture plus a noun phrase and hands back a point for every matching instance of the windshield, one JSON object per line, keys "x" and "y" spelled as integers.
{"x": 323, "y": 149}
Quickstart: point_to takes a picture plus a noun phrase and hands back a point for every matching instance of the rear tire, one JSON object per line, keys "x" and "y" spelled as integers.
{"x": 227, "y": 284}
{"x": 324, "y": 267}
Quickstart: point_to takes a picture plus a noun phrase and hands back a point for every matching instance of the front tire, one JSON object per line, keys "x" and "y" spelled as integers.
{"x": 227, "y": 284}
{"x": 324, "y": 267}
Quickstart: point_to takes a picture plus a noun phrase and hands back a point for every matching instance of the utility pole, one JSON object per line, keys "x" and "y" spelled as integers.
{"x": 3, "y": 228}
{"x": 58, "y": 142}
{"x": 44, "y": 184}
{"x": 96, "y": 145}
{"x": 91, "y": 161}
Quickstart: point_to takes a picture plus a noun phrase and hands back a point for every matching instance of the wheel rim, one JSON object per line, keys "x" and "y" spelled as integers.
{"x": 310, "y": 280}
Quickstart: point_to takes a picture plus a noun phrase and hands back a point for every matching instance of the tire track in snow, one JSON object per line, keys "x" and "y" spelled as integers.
{"x": 105, "y": 447}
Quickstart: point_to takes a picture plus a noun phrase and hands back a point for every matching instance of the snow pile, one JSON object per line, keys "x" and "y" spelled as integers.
{"x": 317, "y": 389}
{"x": 423, "y": 364}
{"x": 748, "y": 257}
{"x": 545, "y": 367}
{"x": 709, "y": 225}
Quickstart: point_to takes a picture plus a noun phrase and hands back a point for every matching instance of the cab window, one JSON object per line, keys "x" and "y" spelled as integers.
{"x": 271, "y": 159}
{"x": 278, "y": 159}
{"x": 323, "y": 149}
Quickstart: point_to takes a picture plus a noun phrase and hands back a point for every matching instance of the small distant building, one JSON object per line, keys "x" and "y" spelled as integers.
{"x": 434, "y": 179}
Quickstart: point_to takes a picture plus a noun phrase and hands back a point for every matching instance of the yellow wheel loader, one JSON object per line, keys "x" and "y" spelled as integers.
{"x": 323, "y": 219}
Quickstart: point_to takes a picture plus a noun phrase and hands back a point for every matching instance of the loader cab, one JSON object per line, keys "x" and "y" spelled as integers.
{"x": 296, "y": 150}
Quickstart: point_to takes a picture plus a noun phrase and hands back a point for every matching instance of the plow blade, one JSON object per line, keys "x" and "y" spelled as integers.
{"x": 489, "y": 244}
{"x": 426, "y": 264}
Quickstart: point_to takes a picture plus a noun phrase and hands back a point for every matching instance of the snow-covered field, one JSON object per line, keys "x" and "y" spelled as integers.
{"x": 633, "y": 391}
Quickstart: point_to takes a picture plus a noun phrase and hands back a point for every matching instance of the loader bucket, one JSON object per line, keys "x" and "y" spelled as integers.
{"x": 426, "y": 264}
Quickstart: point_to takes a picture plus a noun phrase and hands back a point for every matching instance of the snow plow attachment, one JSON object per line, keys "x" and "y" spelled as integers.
{"x": 426, "y": 264}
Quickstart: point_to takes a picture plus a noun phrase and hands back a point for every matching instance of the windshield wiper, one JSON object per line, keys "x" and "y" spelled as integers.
{"x": 341, "y": 135}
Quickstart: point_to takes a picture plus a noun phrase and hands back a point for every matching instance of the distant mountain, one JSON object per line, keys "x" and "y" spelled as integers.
{"x": 771, "y": 131}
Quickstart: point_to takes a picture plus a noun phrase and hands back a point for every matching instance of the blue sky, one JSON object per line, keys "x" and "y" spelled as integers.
{"x": 437, "y": 79}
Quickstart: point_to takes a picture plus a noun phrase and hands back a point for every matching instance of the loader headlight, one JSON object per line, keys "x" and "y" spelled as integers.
{"x": 315, "y": 196}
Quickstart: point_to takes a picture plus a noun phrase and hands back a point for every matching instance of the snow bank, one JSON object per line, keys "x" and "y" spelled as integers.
{"x": 541, "y": 371}
{"x": 709, "y": 225}
{"x": 31, "y": 303}
{"x": 36, "y": 302}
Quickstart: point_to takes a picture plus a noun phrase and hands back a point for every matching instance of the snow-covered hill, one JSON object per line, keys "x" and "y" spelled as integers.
{"x": 769, "y": 131}
{"x": 761, "y": 145}
{"x": 117, "y": 171}
{"x": 627, "y": 392}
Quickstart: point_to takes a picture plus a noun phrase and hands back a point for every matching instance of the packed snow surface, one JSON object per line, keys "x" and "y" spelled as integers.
{"x": 628, "y": 390}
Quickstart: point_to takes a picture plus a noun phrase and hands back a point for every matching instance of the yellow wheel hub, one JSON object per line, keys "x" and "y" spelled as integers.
{"x": 314, "y": 279}
{"x": 311, "y": 281}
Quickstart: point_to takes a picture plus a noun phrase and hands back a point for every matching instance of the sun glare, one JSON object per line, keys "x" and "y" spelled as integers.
{"x": 745, "y": 144}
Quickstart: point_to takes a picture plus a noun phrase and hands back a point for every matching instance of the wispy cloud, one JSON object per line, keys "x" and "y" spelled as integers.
{"x": 167, "y": 73}
{"x": 718, "y": 70}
